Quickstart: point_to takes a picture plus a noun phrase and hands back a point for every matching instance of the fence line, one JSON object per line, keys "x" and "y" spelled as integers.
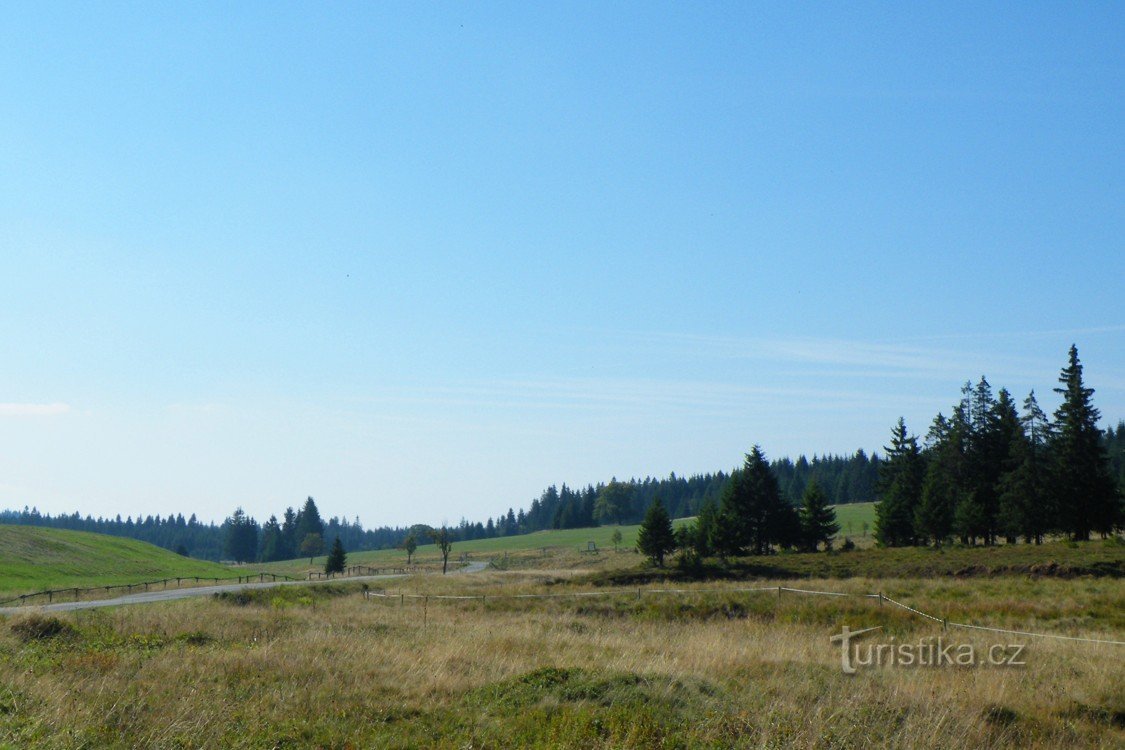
{"x": 779, "y": 589}
{"x": 77, "y": 591}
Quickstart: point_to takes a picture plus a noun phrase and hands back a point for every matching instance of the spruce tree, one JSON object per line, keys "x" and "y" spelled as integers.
{"x": 818, "y": 519}
{"x": 900, "y": 489}
{"x": 1088, "y": 498}
{"x": 337, "y": 559}
{"x": 941, "y": 495}
{"x": 1026, "y": 506}
{"x": 308, "y": 521}
{"x": 752, "y": 514}
{"x": 656, "y": 538}
{"x": 706, "y": 524}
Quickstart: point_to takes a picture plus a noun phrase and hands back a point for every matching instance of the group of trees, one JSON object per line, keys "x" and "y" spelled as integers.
{"x": 991, "y": 472}
{"x": 185, "y": 536}
{"x": 841, "y": 479}
{"x": 751, "y": 517}
{"x": 299, "y": 534}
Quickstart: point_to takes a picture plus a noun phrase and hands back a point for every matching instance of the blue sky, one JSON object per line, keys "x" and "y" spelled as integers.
{"x": 421, "y": 260}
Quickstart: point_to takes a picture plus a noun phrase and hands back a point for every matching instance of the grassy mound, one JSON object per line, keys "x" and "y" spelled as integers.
{"x": 34, "y": 559}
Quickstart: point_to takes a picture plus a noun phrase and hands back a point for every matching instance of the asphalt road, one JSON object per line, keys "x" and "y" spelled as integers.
{"x": 172, "y": 594}
{"x": 148, "y": 597}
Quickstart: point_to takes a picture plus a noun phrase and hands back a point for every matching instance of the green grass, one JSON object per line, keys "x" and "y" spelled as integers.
{"x": 34, "y": 559}
{"x": 851, "y": 518}
{"x": 574, "y": 540}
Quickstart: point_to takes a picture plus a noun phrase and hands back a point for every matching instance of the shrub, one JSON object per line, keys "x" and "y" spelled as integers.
{"x": 40, "y": 627}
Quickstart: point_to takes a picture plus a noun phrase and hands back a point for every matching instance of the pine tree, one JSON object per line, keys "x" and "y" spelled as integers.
{"x": 308, "y": 522}
{"x": 1087, "y": 495}
{"x": 241, "y": 537}
{"x": 337, "y": 559}
{"x": 656, "y": 538}
{"x": 752, "y": 514}
{"x": 818, "y": 519}
{"x": 900, "y": 482}
{"x": 706, "y": 524}
{"x": 941, "y": 495}
{"x": 271, "y": 541}
{"x": 1026, "y": 507}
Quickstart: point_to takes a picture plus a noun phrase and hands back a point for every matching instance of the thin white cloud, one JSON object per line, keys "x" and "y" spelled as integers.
{"x": 33, "y": 410}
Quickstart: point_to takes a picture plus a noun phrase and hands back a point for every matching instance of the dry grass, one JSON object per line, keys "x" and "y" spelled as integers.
{"x": 327, "y": 668}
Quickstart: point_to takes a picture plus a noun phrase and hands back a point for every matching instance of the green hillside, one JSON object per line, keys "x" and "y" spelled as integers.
{"x": 34, "y": 558}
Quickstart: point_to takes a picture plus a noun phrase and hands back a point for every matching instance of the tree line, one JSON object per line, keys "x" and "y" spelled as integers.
{"x": 984, "y": 473}
{"x": 751, "y": 517}
{"x": 209, "y": 541}
{"x": 991, "y": 472}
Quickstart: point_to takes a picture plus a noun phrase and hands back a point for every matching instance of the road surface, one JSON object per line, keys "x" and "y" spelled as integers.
{"x": 171, "y": 594}
{"x": 186, "y": 593}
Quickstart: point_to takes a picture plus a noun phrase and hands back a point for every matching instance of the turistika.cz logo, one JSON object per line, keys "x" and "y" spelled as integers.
{"x": 926, "y": 652}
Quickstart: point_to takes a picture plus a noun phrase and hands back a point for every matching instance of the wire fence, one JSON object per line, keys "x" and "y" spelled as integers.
{"x": 779, "y": 590}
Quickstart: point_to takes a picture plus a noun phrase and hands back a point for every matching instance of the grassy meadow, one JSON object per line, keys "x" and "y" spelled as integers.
{"x": 322, "y": 666}
{"x": 618, "y": 655}
{"x": 34, "y": 559}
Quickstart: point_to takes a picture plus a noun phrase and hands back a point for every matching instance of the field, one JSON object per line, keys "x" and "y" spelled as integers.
{"x": 562, "y": 546}
{"x": 610, "y": 653}
{"x": 325, "y": 667}
{"x": 33, "y": 559}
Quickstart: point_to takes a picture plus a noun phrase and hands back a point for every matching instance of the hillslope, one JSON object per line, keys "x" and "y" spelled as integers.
{"x": 34, "y": 558}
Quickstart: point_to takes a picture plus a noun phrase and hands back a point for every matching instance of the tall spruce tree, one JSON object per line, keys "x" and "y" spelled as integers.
{"x": 308, "y": 521}
{"x": 656, "y": 538}
{"x": 900, "y": 489}
{"x": 1026, "y": 505}
{"x": 1087, "y": 495}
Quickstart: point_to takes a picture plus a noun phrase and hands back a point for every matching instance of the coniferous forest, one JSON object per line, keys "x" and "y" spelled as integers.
{"x": 992, "y": 470}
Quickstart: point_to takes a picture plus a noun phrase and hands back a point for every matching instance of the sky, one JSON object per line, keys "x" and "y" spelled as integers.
{"x": 421, "y": 260}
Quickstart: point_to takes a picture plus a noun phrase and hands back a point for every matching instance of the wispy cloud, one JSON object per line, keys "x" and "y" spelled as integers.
{"x": 33, "y": 410}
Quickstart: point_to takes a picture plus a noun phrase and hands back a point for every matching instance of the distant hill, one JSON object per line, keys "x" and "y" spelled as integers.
{"x": 33, "y": 558}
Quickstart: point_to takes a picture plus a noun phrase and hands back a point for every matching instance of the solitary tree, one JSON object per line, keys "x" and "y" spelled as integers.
{"x": 616, "y": 538}
{"x": 655, "y": 537}
{"x": 337, "y": 558}
{"x": 818, "y": 519}
{"x": 410, "y": 544}
{"x": 312, "y": 545}
{"x": 444, "y": 540}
